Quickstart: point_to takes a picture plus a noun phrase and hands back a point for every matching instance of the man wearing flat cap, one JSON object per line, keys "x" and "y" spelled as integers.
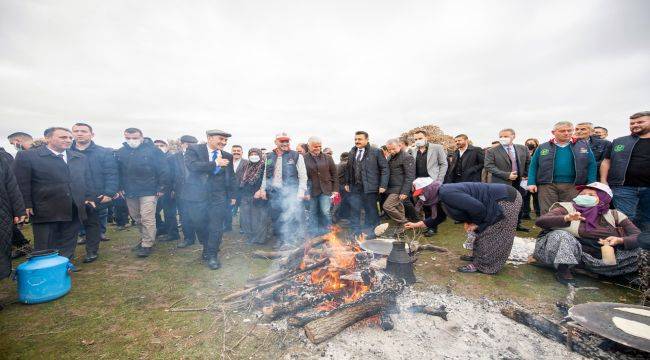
{"x": 180, "y": 174}
{"x": 210, "y": 186}
{"x": 284, "y": 184}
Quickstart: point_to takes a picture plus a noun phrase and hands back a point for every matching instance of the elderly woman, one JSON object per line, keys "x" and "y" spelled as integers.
{"x": 575, "y": 231}
{"x": 490, "y": 213}
{"x": 323, "y": 182}
{"x": 253, "y": 215}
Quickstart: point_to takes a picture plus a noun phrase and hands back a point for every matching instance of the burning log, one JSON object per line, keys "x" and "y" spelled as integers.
{"x": 339, "y": 319}
{"x": 248, "y": 291}
{"x": 440, "y": 311}
{"x": 278, "y": 310}
{"x": 295, "y": 256}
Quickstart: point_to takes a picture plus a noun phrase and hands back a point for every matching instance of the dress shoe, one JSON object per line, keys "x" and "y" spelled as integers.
{"x": 213, "y": 263}
{"x": 90, "y": 258}
{"x": 429, "y": 233}
{"x": 105, "y": 238}
{"x": 184, "y": 245}
{"x": 144, "y": 252}
{"x": 81, "y": 240}
{"x": 524, "y": 229}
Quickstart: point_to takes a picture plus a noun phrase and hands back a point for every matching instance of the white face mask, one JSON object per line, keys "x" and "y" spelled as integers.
{"x": 420, "y": 143}
{"x": 505, "y": 140}
{"x": 134, "y": 143}
{"x": 254, "y": 158}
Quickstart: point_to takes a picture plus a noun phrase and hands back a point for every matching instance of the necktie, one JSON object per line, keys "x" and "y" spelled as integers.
{"x": 60, "y": 156}
{"x": 359, "y": 154}
{"x": 513, "y": 159}
{"x": 215, "y": 154}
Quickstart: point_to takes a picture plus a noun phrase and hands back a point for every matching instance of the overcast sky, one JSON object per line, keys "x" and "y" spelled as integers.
{"x": 324, "y": 68}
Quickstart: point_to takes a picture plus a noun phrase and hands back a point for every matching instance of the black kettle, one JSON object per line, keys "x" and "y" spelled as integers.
{"x": 400, "y": 263}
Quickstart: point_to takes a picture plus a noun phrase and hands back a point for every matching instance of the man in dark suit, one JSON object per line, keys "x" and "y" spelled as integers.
{"x": 180, "y": 173}
{"x": 238, "y": 165}
{"x": 508, "y": 163}
{"x": 367, "y": 176}
{"x": 210, "y": 187}
{"x": 466, "y": 163}
{"x": 55, "y": 182}
{"x": 166, "y": 224}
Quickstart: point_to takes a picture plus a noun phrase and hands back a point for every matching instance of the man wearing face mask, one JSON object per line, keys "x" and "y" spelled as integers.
{"x": 167, "y": 225}
{"x": 211, "y": 186}
{"x": 21, "y": 141}
{"x": 180, "y": 174}
{"x": 285, "y": 185}
{"x": 508, "y": 164}
{"x": 144, "y": 177}
{"x": 559, "y": 165}
{"x": 431, "y": 162}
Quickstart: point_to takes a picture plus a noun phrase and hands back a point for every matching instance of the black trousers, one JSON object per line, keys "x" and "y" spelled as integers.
{"x": 409, "y": 210}
{"x": 120, "y": 211}
{"x": 368, "y": 202}
{"x": 17, "y": 237}
{"x": 526, "y": 204}
{"x": 59, "y": 235}
{"x": 93, "y": 231}
{"x": 166, "y": 224}
{"x": 216, "y": 213}
{"x": 190, "y": 231}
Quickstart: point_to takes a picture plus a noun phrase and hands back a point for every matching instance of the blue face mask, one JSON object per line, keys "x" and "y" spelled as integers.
{"x": 585, "y": 200}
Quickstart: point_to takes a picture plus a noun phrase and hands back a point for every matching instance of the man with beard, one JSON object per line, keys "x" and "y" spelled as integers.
{"x": 21, "y": 140}
{"x": 627, "y": 170}
{"x": 367, "y": 177}
{"x": 285, "y": 185}
{"x": 210, "y": 186}
{"x": 103, "y": 171}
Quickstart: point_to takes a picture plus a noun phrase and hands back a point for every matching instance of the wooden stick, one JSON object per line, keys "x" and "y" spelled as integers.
{"x": 249, "y": 290}
{"x": 263, "y": 254}
{"x": 278, "y": 310}
{"x": 338, "y": 320}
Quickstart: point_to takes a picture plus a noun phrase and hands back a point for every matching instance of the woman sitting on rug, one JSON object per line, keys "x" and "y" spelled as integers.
{"x": 490, "y": 213}
{"x": 574, "y": 233}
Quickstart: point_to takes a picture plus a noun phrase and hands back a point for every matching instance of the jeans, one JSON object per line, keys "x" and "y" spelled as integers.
{"x": 633, "y": 202}
{"x": 319, "y": 214}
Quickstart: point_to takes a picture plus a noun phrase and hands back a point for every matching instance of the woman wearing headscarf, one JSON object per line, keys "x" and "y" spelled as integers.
{"x": 490, "y": 213}
{"x": 253, "y": 216}
{"x": 575, "y": 231}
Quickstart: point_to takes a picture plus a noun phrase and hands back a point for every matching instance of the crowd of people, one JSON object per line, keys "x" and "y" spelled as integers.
{"x": 585, "y": 192}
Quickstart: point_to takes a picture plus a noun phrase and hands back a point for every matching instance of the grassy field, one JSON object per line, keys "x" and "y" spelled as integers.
{"x": 118, "y": 305}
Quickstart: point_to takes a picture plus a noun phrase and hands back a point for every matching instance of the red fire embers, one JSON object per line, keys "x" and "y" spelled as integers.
{"x": 338, "y": 277}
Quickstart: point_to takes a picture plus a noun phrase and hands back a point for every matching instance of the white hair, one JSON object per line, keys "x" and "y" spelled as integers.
{"x": 394, "y": 141}
{"x": 314, "y": 140}
{"x": 562, "y": 124}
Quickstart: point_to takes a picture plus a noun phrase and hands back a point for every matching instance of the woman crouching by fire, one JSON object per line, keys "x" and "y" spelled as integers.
{"x": 489, "y": 212}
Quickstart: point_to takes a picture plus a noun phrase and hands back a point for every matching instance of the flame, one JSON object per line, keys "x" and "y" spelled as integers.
{"x": 342, "y": 260}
